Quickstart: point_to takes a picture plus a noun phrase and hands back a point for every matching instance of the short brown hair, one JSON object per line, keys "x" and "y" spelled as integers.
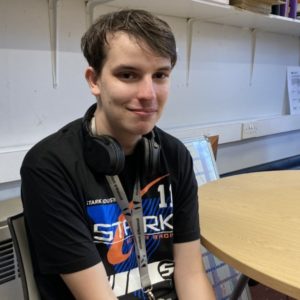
{"x": 139, "y": 24}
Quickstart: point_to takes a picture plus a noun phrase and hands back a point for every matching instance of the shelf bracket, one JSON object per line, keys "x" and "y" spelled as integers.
{"x": 89, "y": 10}
{"x": 253, "y": 52}
{"x": 52, "y": 13}
{"x": 189, "y": 41}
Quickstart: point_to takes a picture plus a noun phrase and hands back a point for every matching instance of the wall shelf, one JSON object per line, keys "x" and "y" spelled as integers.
{"x": 215, "y": 13}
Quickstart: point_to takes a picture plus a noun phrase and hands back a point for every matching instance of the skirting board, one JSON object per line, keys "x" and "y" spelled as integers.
{"x": 12, "y": 157}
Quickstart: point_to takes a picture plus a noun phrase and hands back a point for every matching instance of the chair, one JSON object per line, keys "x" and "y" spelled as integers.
{"x": 226, "y": 281}
{"x": 18, "y": 233}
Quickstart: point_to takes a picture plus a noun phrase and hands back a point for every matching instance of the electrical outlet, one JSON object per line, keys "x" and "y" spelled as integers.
{"x": 249, "y": 130}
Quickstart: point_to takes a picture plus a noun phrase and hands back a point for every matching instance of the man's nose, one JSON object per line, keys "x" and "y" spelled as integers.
{"x": 146, "y": 89}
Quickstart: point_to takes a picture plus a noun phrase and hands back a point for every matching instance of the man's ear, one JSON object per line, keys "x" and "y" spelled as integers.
{"x": 91, "y": 78}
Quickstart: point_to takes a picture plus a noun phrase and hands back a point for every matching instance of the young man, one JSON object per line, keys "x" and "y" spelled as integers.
{"x": 110, "y": 200}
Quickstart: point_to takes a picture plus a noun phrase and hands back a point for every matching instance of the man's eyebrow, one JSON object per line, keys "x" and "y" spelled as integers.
{"x": 132, "y": 68}
{"x": 127, "y": 67}
{"x": 165, "y": 68}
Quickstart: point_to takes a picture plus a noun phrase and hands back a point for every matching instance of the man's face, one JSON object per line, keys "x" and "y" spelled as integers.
{"x": 133, "y": 87}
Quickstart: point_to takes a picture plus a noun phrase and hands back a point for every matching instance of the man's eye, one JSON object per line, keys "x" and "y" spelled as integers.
{"x": 127, "y": 75}
{"x": 161, "y": 75}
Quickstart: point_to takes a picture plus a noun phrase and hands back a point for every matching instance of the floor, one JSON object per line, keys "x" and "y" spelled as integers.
{"x": 261, "y": 292}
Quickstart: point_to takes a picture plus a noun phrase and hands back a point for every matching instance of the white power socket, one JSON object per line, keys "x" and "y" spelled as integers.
{"x": 249, "y": 130}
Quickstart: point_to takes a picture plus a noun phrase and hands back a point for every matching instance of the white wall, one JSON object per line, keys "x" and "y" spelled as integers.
{"x": 30, "y": 107}
{"x": 10, "y": 190}
{"x": 221, "y": 86}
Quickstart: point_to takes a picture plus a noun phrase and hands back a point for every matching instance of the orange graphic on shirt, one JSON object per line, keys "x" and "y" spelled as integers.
{"x": 115, "y": 254}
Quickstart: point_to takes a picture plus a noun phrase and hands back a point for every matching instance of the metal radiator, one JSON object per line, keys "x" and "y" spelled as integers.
{"x": 10, "y": 283}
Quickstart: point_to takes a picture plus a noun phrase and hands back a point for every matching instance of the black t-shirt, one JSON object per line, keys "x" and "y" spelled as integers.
{"x": 74, "y": 221}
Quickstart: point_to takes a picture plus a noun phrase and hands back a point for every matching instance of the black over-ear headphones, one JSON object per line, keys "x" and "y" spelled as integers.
{"x": 104, "y": 154}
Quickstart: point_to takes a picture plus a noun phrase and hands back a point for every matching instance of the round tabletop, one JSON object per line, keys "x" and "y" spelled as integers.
{"x": 252, "y": 222}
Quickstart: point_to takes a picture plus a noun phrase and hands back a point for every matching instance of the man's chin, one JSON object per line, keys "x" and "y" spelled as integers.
{"x": 146, "y": 130}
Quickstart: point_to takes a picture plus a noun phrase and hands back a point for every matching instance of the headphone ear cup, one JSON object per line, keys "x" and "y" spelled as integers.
{"x": 104, "y": 155}
{"x": 151, "y": 151}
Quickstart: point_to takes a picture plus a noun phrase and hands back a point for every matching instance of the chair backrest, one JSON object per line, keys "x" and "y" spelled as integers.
{"x": 214, "y": 142}
{"x": 18, "y": 233}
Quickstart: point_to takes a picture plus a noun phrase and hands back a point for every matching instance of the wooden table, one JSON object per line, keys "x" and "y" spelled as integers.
{"x": 252, "y": 222}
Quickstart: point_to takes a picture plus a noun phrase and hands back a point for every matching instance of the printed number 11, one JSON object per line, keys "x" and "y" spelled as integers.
{"x": 162, "y": 197}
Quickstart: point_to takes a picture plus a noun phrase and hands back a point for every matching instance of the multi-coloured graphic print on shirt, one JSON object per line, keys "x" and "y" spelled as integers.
{"x": 114, "y": 237}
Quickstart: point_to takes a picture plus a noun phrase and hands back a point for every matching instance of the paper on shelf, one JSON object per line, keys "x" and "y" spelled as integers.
{"x": 293, "y": 83}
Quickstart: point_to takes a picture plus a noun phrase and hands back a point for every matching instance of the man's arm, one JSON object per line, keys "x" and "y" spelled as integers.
{"x": 89, "y": 284}
{"x": 191, "y": 281}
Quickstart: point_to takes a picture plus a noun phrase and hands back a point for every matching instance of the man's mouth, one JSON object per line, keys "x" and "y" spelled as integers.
{"x": 143, "y": 111}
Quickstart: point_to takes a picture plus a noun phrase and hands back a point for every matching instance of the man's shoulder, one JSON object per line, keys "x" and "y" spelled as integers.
{"x": 168, "y": 141}
{"x": 59, "y": 145}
